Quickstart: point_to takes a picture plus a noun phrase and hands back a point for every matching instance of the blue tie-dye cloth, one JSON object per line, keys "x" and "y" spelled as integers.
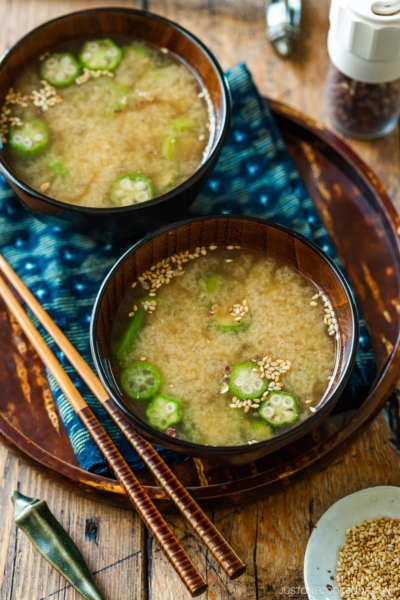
{"x": 254, "y": 176}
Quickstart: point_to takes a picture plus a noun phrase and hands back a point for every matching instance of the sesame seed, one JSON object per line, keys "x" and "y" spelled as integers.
{"x": 213, "y": 247}
{"x": 143, "y": 358}
{"x": 229, "y": 260}
{"x": 312, "y": 303}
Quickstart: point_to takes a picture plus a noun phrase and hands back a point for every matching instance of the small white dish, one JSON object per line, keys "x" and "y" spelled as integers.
{"x": 322, "y": 551}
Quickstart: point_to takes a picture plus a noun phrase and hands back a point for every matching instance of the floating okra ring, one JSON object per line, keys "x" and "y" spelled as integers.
{"x": 141, "y": 380}
{"x": 30, "y": 138}
{"x": 245, "y": 383}
{"x": 163, "y": 412}
{"x": 131, "y": 189}
{"x": 100, "y": 55}
{"x": 279, "y": 409}
{"x": 60, "y": 69}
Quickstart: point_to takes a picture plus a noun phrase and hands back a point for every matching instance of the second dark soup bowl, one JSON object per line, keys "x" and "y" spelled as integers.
{"x": 128, "y": 222}
{"x": 278, "y": 242}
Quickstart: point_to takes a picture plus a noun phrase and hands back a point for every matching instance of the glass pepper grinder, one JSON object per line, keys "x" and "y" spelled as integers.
{"x": 363, "y": 81}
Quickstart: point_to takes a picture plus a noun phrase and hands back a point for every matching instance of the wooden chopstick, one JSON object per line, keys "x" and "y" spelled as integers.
{"x": 144, "y": 506}
{"x": 206, "y": 530}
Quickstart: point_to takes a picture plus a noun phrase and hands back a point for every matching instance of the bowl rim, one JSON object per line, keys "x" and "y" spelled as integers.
{"x": 203, "y": 167}
{"x": 297, "y": 430}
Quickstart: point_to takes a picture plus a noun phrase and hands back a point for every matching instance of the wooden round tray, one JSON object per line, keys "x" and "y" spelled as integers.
{"x": 365, "y": 228}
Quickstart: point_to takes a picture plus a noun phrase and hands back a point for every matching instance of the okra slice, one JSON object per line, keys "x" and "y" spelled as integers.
{"x": 100, "y": 55}
{"x": 140, "y": 380}
{"x": 129, "y": 336}
{"x": 280, "y": 408}
{"x": 125, "y": 344}
{"x": 245, "y": 383}
{"x": 183, "y": 124}
{"x": 259, "y": 430}
{"x": 168, "y": 147}
{"x": 58, "y": 168}
{"x": 30, "y": 138}
{"x": 131, "y": 189}
{"x": 163, "y": 412}
{"x": 60, "y": 69}
{"x": 212, "y": 282}
{"x": 224, "y": 322}
{"x": 139, "y": 49}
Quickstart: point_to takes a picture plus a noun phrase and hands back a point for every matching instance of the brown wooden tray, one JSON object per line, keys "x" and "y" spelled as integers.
{"x": 365, "y": 228}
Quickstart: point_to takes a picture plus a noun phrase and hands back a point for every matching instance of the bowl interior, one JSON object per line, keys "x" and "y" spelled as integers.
{"x": 108, "y": 22}
{"x": 278, "y": 242}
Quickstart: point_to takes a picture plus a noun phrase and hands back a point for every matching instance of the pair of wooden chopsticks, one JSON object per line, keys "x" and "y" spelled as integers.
{"x": 208, "y": 533}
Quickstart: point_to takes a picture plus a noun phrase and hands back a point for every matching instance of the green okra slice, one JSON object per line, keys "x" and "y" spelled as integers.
{"x": 60, "y": 69}
{"x": 280, "y": 408}
{"x": 140, "y": 380}
{"x": 245, "y": 383}
{"x": 129, "y": 336}
{"x": 261, "y": 431}
{"x": 58, "y": 168}
{"x": 163, "y": 412}
{"x": 123, "y": 347}
{"x": 34, "y": 517}
{"x": 30, "y": 138}
{"x": 183, "y": 124}
{"x": 100, "y": 55}
{"x": 131, "y": 188}
{"x": 168, "y": 147}
{"x": 140, "y": 49}
{"x": 223, "y": 322}
{"x": 212, "y": 282}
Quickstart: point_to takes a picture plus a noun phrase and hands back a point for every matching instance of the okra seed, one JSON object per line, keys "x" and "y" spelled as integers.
{"x": 142, "y": 196}
{"x": 125, "y": 184}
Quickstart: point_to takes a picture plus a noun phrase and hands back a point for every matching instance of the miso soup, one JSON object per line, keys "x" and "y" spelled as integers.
{"x": 223, "y": 346}
{"x": 106, "y": 123}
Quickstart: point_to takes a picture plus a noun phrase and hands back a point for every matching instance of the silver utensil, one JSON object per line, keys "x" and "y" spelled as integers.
{"x": 283, "y": 24}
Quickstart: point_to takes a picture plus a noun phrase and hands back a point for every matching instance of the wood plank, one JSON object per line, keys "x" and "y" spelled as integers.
{"x": 112, "y": 540}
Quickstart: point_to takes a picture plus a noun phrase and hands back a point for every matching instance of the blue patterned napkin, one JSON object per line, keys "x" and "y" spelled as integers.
{"x": 254, "y": 176}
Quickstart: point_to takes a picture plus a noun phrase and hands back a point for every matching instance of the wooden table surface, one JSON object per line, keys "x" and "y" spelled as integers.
{"x": 271, "y": 535}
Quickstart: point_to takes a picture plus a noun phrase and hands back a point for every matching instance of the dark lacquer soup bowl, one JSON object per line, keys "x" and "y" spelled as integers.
{"x": 127, "y": 222}
{"x": 278, "y": 243}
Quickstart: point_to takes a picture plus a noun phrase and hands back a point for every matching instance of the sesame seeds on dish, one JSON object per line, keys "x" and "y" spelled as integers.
{"x": 368, "y": 565}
